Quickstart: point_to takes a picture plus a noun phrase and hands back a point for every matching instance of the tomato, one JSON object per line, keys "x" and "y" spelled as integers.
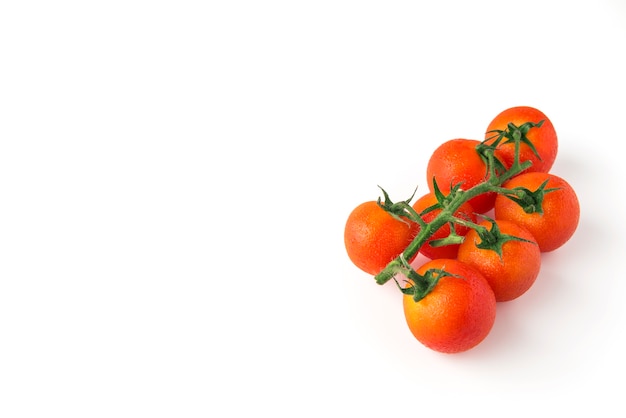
{"x": 373, "y": 237}
{"x": 561, "y": 209}
{"x": 543, "y": 138}
{"x": 511, "y": 273}
{"x": 457, "y": 314}
{"x": 457, "y": 161}
{"x": 466, "y": 212}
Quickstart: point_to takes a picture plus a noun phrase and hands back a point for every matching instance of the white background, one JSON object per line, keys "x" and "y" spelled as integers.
{"x": 175, "y": 178}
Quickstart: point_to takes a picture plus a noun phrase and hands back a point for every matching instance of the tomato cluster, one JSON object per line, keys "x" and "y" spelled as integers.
{"x": 493, "y": 207}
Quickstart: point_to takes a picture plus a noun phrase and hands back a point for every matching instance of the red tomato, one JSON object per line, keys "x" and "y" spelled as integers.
{"x": 373, "y": 237}
{"x": 457, "y": 314}
{"x": 511, "y": 273}
{"x": 561, "y": 209}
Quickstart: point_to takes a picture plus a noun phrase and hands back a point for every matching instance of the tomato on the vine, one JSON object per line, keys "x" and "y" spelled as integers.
{"x": 458, "y": 161}
{"x": 457, "y": 314}
{"x": 373, "y": 237}
{"x": 476, "y": 259}
{"x": 558, "y": 219}
{"x": 513, "y": 270}
{"x": 465, "y": 212}
{"x": 543, "y": 138}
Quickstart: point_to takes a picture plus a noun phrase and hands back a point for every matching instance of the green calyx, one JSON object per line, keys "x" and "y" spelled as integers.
{"x": 421, "y": 285}
{"x": 514, "y": 134}
{"x": 493, "y": 239}
{"x": 402, "y": 211}
{"x": 529, "y": 201}
{"x": 445, "y": 202}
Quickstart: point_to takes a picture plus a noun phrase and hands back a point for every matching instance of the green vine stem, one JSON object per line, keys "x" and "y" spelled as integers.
{"x": 497, "y": 175}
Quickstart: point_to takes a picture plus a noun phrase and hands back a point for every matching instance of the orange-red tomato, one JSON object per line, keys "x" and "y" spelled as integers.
{"x": 561, "y": 209}
{"x": 466, "y": 212}
{"x": 543, "y": 138}
{"x": 373, "y": 237}
{"x": 457, "y": 314}
{"x": 457, "y": 161}
{"x": 513, "y": 272}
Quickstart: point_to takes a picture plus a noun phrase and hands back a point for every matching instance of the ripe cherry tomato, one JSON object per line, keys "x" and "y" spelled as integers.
{"x": 457, "y": 314}
{"x": 457, "y": 161}
{"x": 511, "y": 273}
{"x": 373, "y": 237}
{"x": 465, "y": 212}
{"x": 561, "y": 209}
{"x": 543, "y": 138}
